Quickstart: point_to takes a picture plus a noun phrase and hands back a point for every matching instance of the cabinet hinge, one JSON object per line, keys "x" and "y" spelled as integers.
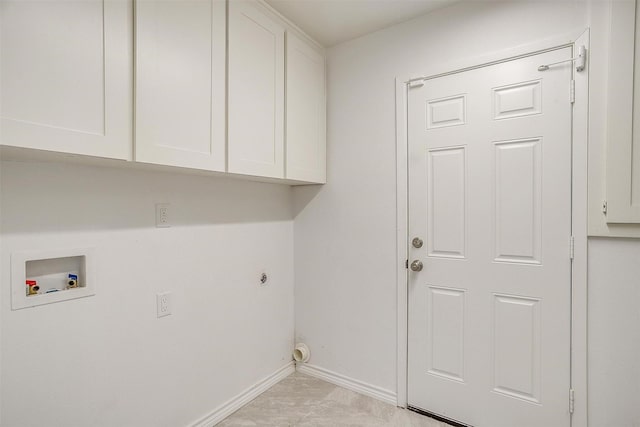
{"x": 571, "y": 401}
{"x": 572, "y": 91}
{"x": 572, "y": 247}
{"x": 604, "y": 207}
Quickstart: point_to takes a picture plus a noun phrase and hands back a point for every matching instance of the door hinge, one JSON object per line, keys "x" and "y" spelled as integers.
{"x": 572, "y": 91}
{"x": 571, "y": 401}
{"x": 604, "y": 207}
{"x": 406, "y": 264}
{"x": 572, "y": 247}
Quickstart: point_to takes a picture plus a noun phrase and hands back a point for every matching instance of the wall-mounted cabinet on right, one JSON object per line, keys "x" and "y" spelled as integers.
{"x": 622, "y": 204}
{"x": 306, "y": 112}
{"x": 276, "y": 113}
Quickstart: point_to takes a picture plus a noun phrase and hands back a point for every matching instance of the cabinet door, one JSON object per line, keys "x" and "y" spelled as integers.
{"x": 256, "y": 92}
{"x": 66, "y": 76}
{"x": 306, "y": 112}
{"x": 623, "y": 139}
{"x": 180, "y": 83}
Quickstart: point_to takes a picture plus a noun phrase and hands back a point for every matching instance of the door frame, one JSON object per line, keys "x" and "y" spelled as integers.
{"x": 580, "y": 121}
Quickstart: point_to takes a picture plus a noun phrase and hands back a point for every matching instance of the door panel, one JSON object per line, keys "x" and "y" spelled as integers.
{"x": 445, "y": 335}
{"x": 521, "y": 99}
{"x": 516, "y": 347}
{"x": 518, "y": 200}
{"x": 490, "y": 194}
{"x": 446, "y": 112}
{"x": 446, "y": 203}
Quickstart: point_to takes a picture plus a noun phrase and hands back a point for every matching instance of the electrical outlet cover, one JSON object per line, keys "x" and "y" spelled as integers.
{"x": 162, "y": 215}
{"x": 163, "y": 302}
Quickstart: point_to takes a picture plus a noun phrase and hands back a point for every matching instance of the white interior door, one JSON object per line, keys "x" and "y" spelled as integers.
{"x": 490, "y": 196}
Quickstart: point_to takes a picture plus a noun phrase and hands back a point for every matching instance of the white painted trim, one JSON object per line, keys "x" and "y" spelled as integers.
{"x": 402, "y": 227}
{"x": 291, "y": 26}
{"x": 348, "y": 383}
{"x": 579, "y": 225}
{"x": 579, "y": 377}
{"x": 246, "y": 396}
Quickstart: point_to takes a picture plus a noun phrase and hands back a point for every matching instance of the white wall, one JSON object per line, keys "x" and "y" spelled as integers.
{"x": 345, "y": 238}
{"x": 614, "y": 332}
{"x": 107, "y": 360}
{"x": 345, "y": 231}
{"x": 614, "y": 294}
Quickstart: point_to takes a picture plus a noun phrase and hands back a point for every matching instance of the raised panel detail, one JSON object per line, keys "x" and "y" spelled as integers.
{"x": 446, "y": 202}
{"x": 445, "y": 333}
{"x": 517, "y": 100}
{"x": 516, "y": 347}
{"x": 518, "y": 196}
{"x": 445, "y": 112}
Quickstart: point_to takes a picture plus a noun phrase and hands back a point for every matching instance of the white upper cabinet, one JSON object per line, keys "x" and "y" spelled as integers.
{"x": 223, "y": 86}
{"x": 306, "y": 112}
{"x": 256, "y": 91}
{"x": 66, "y": 76}
{"x": 180, "y": 83}
{"x": 623, "y": 120}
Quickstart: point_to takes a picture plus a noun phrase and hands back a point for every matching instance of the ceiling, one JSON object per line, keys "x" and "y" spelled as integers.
{"x": 334, "y": 21}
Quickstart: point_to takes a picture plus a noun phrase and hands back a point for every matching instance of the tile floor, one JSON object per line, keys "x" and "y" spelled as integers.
{"x": 301, "y": 400}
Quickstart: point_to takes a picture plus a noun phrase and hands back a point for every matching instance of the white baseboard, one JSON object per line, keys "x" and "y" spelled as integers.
{"x": 349, "y": 383}
{"x": 237, "y": 402}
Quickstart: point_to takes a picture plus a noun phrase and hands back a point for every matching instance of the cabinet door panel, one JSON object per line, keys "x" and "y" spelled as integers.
{"x": 66, "y": 69}
{"x": 306, "y": 129}
{"x": 180, "y": 76}
{"x": 256, "y": 92}
{"x": 623, "y": 120}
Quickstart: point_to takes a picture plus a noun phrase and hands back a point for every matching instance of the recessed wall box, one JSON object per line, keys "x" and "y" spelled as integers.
{"x": 61, "y": 275}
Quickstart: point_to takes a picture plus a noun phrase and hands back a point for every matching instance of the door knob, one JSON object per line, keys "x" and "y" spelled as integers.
{"x": 416, "y": 265}
{"x": 417, "y": 242}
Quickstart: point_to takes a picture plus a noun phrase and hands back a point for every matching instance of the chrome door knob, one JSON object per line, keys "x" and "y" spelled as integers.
{"x": 416, "y": 265}
{"x": 417, "y": 242}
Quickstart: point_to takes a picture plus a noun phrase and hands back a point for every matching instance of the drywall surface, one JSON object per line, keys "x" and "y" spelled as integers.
{"x": 614, "y": 332}
{"x": 345, "y": 236}
{"x": 107, "y": 360}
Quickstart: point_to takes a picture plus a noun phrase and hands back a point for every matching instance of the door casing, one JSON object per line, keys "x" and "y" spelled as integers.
{"x": 579, "y": 210}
